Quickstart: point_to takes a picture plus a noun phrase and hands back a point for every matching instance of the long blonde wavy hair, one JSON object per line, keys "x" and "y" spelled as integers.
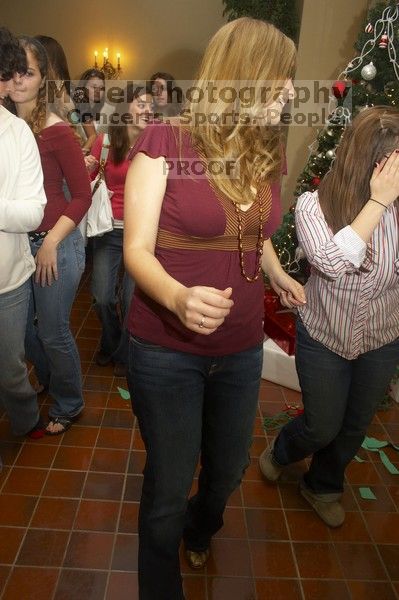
{"x": 246, "y": 53}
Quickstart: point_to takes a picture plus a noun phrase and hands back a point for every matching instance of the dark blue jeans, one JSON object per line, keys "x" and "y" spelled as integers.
{"x": 188, "y": 406}
{"x": 340, "y": 398}
{"x": 107, "y": 260}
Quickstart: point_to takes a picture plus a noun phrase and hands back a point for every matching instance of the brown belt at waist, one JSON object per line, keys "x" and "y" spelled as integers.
{"x": 167, "y": 239}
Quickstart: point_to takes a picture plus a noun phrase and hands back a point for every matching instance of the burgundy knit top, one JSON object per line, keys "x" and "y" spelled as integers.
{"x": 197, "y": 244}
{"x": 62, "y": 161}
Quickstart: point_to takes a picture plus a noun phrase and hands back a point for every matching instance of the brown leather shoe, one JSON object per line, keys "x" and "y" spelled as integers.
{"x": 197, "y": 560}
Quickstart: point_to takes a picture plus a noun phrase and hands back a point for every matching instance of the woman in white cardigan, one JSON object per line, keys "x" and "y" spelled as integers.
{"x": 22, "y": 200}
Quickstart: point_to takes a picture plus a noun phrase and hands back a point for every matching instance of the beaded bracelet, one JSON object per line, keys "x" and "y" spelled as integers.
{"x": 380, "y": 203}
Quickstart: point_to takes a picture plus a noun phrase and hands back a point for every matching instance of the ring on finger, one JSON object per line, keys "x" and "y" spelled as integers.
{"x": 201, "y": 323}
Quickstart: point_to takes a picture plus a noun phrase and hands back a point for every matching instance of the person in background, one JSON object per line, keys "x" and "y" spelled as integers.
{"x": 347, "y": 333}
{"x": 58, "y": 64}
{"x": 165, "y": 101}
{"x": 56, "y": 244}
{"x": 89, "y": 100}
{"x": 22, "y": 201}
{"x": 196, "y": 246}
{"x": 60, "y": 85}
{"x": 131, "y": 117}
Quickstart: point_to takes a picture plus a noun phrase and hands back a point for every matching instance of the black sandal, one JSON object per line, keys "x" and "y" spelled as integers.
{"x": 65, "y": 423}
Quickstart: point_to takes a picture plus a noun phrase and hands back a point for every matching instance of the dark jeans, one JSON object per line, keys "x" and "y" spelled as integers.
{"x": 107, "y": 260}
{"x": 340, "y": 397}
{"x": 188, "y": 405}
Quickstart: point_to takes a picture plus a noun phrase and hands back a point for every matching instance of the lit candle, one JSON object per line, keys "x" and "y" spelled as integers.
{"x": 104, "y": 57}
{"x": 118, "y": 58}
{"x": 95, "y": 59}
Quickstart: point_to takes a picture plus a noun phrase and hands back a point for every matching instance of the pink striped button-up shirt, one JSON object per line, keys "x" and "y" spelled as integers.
{"x": 353, "y": 290}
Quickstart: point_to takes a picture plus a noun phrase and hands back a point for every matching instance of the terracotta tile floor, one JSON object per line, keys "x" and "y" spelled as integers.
{"x": 68, "y": 511}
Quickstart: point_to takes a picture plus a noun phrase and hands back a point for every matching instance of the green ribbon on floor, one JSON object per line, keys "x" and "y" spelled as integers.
{"x": 387, "y": 463}
{"x": 276, "y": 421}
{"x": 367, "y": 494}
{"x": 373, "y": 445}
{"x": 124, "y": 393}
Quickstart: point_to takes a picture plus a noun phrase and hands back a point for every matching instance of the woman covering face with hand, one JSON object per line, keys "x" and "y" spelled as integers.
{"x": 347, "y": 334}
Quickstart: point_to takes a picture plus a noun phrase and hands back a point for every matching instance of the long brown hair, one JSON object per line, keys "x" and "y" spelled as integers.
{"x": 56, "y": 56}
{"x": 345, "y": 189}
{"x": 118, "y": 133}
{"x": 37, "y": 119}
{"x": 245, "y": 52}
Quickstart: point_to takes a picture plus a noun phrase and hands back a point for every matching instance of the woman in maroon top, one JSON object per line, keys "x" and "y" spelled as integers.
{"x": 198, "y": 203}
{"x": 129, "y": 120}
{"x": 57, "y": 244}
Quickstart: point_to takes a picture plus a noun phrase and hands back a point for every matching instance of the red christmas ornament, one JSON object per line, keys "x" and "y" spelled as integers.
{"x": 383, "y": 41}
{"x": 369, "y": 28}
{"x": 316, "y": 181}
{"x": 339, "y": 89}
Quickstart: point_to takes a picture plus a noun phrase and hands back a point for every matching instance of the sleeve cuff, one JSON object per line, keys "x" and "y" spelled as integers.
{"x": 351, "y": 245}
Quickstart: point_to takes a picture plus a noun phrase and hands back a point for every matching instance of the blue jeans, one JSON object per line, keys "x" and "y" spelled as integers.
{"x": 16, "y": 393}
{"x": 340, "y": 398}
{"x": 107, "y": 260}
{"x": 188, "y": 406}
{"x": 50, "y": 344}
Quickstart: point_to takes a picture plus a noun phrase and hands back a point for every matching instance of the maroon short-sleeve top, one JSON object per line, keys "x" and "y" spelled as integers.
{"x": 197, "y": 244}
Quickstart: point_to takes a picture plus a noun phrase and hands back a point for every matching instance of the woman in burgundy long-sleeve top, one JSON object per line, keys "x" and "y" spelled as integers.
{"x": 57, "y": 245}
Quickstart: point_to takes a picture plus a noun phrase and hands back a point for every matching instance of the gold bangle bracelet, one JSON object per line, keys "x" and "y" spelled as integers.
{"x": 380, "y": 203}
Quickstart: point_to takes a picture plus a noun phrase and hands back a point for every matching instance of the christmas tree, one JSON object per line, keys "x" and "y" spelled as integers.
{"x": 282, "y": 13}
{"x": 370, "y": 79}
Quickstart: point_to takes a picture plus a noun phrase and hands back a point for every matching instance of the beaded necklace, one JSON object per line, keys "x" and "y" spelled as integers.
{"x": 259, "y": 243}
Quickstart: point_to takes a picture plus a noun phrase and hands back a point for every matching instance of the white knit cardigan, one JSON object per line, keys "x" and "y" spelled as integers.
{"x": 22, "y": 199}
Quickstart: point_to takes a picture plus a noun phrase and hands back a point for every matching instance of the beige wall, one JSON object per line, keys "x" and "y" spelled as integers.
{"x": 151, "y": 36}
{"x": 328, "y": 32}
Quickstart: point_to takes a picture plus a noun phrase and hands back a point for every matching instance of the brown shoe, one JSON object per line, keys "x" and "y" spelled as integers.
{"x": 197, "y": 560}
{"x": 331, "y": 512}
{"x": 270, "y": 469}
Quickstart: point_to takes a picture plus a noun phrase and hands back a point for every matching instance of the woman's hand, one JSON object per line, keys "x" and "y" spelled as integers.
{"x": 384, "y": 182}
{"x": 203, "y": 309}
{"x": 91, "y": 162}
{"x": 46, "y": 263}
{"x": 291, "y": 292}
